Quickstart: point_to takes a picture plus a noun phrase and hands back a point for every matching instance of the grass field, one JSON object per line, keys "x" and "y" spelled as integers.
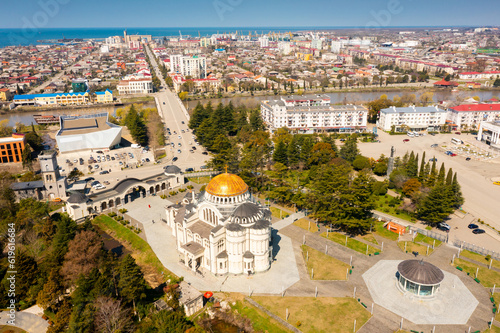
{"x": 198, "y": 180}
{"x": 261, "y": 322}
{"x": 353, "y": 244}
{"x": 137, "y": 99}
{"x": 10, "y": 329}
{"x": 410, "y": 247}
{"x": 427, "y": 240}
{"x": 141, "y": 251}
{"x": 487, "y": 277}
{"x": 494, "y": 329}
{"x": 305, "y": 224}
{"x": 479, "y": 258}
{"x": 383, "y": 232}
{"x": 325, "y": 267}
{"x": 497, "y": 302}
{"x": 322, "y": 315}
{"x": 369, "y": 238}
{"x": 276, "y": 212}
{"x": 382, "y": 206}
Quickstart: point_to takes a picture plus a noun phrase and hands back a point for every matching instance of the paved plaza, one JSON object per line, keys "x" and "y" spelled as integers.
{"x": 283, "y": 273}
{"x": 453, "y": 303}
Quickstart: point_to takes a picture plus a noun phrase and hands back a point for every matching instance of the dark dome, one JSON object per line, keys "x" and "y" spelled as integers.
{"x": 172, "y": 169}
{"x": 234, "y": 227}
{"x": 247, "y": 209}
{"x": 77, "y": 197}
{"x": 261, "y": 224}
{"x": 420, "y": 272}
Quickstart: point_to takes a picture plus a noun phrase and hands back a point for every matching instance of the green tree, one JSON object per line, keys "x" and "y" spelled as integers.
{"x": 441, "y": 174}
{"x": 361, "y": 162}
{"x": 131, "y": 281}
{"x": 197, "y": 116}
{"x": 27, "y": 157}
{"x": 321, "y": 153}
{"x": 422, "y": 176}
{"x": 256, "y": 121}
{"x": 411, "y": 187}
{"x": 293, "y": 152}
{"x": 436, "y": 206}
{"x": 457, "y": 198}
{"x": 280, "y": 153}
{"x": 349, "y": 151}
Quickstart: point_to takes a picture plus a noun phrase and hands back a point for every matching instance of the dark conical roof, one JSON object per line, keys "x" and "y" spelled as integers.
{"x": 420, "y": 272}
{"x": 246, "y": 209}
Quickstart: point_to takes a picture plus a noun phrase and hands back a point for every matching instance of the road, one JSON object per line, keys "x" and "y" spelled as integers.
{"x": 474, "y": 176}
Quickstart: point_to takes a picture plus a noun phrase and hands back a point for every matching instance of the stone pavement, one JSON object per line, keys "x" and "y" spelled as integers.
{"x": 288, "y": 220}
{"x": 27, "y": 321}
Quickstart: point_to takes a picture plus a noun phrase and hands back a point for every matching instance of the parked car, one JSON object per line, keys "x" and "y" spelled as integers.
{"x": 443, "y": 226}
{"x": 478, "y": 231}
{"x": 467, "y": 159}
{"x": 88, "y": 179}
{"x": 473, "y": 226}
{"x": 147, "y": 159}
{"x": 103, "y": 172}
{"x": 205, "y": 153}
{"x": 175, "y": 159}
{"x": 178, "y": 151}
{"x": 96, "y": 166}
{"x": 406, "y": 140}
{"x": 434, "y": 145}
{"x": 105, "y": 182}
{"x": 496, "y": 183}
{"x": 189, "y": 169}
{"x": 203, "y": 167}
{"x": 458, "y": 133}
{"x": 193, "y": 147}
{"x": 433, "y": 159}
{"x": 182, "y": 122}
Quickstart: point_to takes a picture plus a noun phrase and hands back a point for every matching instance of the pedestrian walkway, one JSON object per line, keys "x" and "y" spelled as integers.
{"x": 27, "y": 321}
{"x": 288, "y": 220}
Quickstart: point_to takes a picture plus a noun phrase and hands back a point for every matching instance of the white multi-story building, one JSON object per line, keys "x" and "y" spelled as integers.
{"x": 313, "y": 114}
{"x": 264, "y": 41}
{"x": 469, "y": 116}
{"x": 317, "y": 44}
{"x": 412, "y": 118}
{"x": 489, "y": 132}
{"x": 134, "y": 85}
{"x": 284, "y": 48}
{"x": 193, "y": 66}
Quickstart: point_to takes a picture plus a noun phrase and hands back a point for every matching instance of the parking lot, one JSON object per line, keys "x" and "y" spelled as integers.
{"x": 104, "y": 160}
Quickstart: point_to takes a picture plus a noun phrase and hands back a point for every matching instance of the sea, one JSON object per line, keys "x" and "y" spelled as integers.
{"x": 32, "y": 35}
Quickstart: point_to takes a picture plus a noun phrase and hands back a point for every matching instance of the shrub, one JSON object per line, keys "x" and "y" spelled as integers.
{"x": 189, "y": 187}
{"x": 182, "y": 190}
{"x": 112, "y": 214}
{"x": 123, "y": 210}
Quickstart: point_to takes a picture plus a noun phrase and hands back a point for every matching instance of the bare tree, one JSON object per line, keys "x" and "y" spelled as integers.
{"x": 83, "y": 254}
{"x": 110, "y": 317}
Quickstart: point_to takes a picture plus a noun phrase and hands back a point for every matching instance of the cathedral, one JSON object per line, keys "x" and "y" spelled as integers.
{"x": 222, "y": 230}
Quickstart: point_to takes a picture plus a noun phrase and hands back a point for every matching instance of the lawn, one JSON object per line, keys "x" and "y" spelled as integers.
{"x": 384, "y": 207}
{"x": 261, "y": 322}
{"x": 323, "y": 314}
{"x": 411, "y": 247}
{"x": 494, "y": 329}
{"x": 497, "y": 302}
{"x": 369, "y": 238}
{"x": 383, "y": 232}
{"x": 486, "y": 276}
{"x": 479, "y": 258}
{"x": 198, "y": 180}
{"x": 353, "y": 244}
{"x": 325, "y": 267}
{"x": 427, "y": 240}
{"x": 306, "y": 225}
{"x": 141, "y": 251}
{"x": 10, "y": 329}
{"x": 137, "y": 99}
{"x": 279, "y": 213}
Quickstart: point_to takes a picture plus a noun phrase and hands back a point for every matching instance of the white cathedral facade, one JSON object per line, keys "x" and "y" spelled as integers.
{"x": 222, "y": 230}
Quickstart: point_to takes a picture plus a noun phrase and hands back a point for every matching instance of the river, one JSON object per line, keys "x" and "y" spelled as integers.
{"x": 26, "y": 117}
{"x": 353, "y": 97}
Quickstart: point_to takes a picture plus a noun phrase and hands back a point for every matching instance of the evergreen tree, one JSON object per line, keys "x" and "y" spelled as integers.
{"x": 228, "y": 121}
{"x": 349, "y": 150}
{"x": 198, "y": 115}
{"x": 412, "y": 166}
{"x": 280, "y": 153}
{"x": 449, "y": 177}
{"x": 131, "y": 282}
{"x": 27, "y": 274}
{"x": 458, "y": 199}
{"x": 293, "y": 152}
{"x": 431, "y": 180}
{"x": 305, "y": 150}
{"x": 436, "y": 206}
{"x": 26, "y": 157}
{"x": 442, "y": 173}
{"x": 256, "y": 121}
{"x": 422, "y": 176}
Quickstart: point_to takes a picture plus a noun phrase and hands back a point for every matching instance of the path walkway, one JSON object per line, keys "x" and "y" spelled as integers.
{"x": 27, "y": 321}
{"x": 288, "y": 220}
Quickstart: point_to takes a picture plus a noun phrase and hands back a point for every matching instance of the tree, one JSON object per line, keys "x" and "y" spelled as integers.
{"x": 496, "y": 83}
{"x": 411, "y": 187}
{"x": 457, "y": 198}
{"x": 380, "y": 168}
{"x": 349, "y": 150}
{"x": 441, "y": 174}
{"x": 131, "y": 281}
{"x": 183, "y": 95}
{"x": 321, "y": 153}
{"x": 422, "y": 176}
{"x": 52, "y": 289}
{"x": 293, "y": 152}
{"x": 136, "y": 126}
{"x": 427, "y": 97}
{"x": 280, "y": 153}
{"x": 26, "y": 278}
{"x": 111, "y": 317}
{"x": 27, "y": 158}
{"x": 256, "y": 121}
{"x": 83, "y": 254}
{"x": 435, "y": 207}
{"x": 361, "y": 162}
{"x": 75, "y": 174}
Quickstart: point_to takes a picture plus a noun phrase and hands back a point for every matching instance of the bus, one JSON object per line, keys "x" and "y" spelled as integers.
{"x": 456, "y": 141}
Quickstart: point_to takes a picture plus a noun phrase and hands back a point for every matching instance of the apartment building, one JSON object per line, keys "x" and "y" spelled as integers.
{"x": 264, "y": 41}
{"x": 75, "y": 98}
{"x": 193, "y": 66}
{"x": 470, "y": 116}
{"x": 412, "y": 118}
{"x": 11, "y": 148}
{"x": 489, "y": 132}
{"x": 129, "y": 86}
{"x": 313, "y": 114}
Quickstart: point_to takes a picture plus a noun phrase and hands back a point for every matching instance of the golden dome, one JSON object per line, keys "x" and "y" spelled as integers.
{"x": 226, "y": 185}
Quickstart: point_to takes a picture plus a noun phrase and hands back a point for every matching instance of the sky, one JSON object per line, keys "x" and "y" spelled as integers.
{"x": 247, "y": 13}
